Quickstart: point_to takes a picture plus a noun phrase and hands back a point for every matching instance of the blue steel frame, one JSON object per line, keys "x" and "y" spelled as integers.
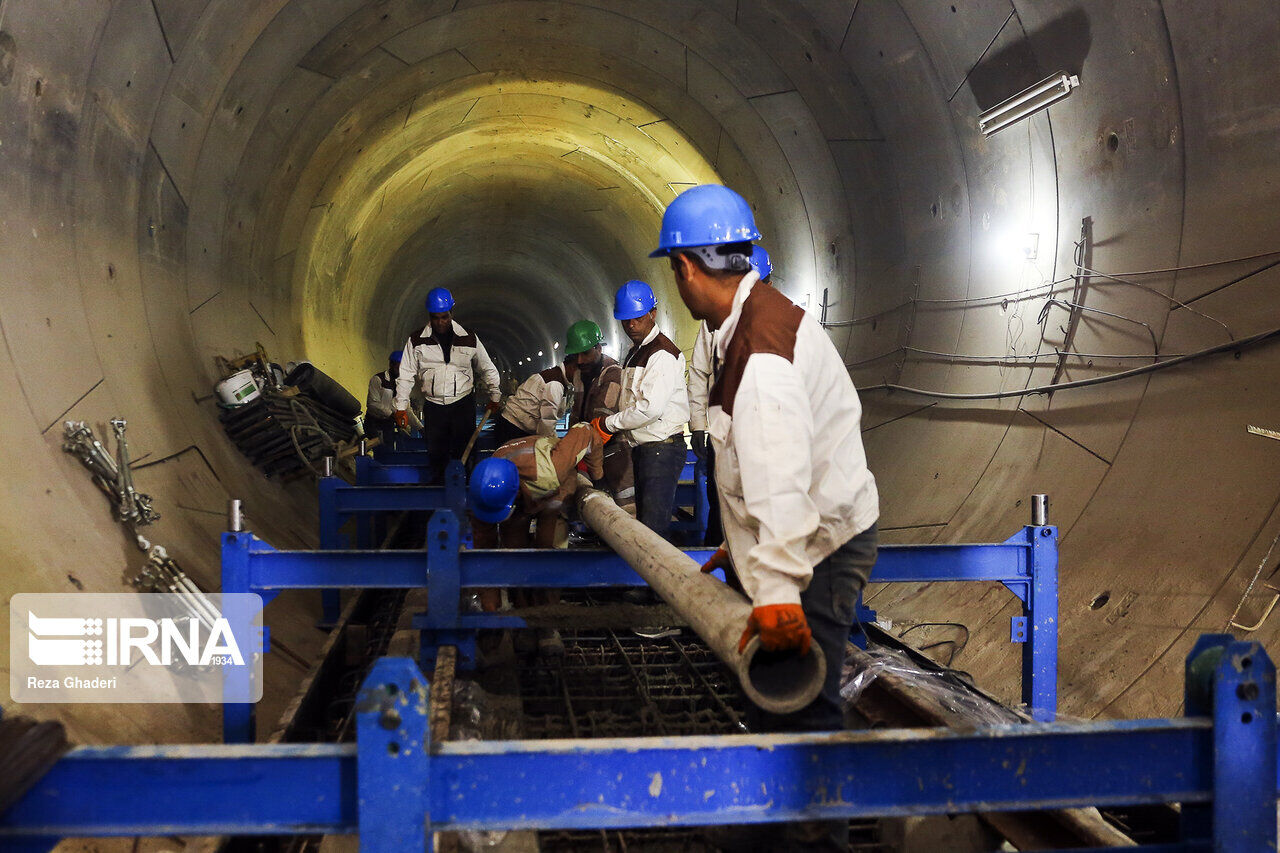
{"x": 395, "y": 787}
{"x": 1026, "y": 564}
{"x": 380, "y": 488}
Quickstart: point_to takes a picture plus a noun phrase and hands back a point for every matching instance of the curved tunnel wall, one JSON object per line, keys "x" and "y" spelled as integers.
{"x": 181, "y": 180}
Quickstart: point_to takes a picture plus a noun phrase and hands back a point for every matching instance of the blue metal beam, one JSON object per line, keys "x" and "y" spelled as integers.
{"x": 285, "y": 789}
{"x": 273, "y": 569}
{"x": 205, "y": 790}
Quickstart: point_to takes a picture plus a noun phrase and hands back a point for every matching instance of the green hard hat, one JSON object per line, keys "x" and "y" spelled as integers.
{"x": 582, "y": 336}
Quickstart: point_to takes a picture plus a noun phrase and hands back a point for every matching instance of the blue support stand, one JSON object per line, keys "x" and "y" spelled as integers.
{"x": 238, "y": 718}
{"x": 393, "y": 732}
{"x": 443, "y": 626}
{"x": 1235, "y": 683}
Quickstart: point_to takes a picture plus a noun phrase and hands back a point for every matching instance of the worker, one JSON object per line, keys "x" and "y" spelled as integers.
{"x": 597, "y": 389}
{"x": 654, "y": 406}
{"x": 699, "y": 386}
{"x": 539, "y": 402}
{"x": 444, "y": 362}
{"x": 533, "y": 479}
{"x": 798, "y": 503}
{"x": 380, "y": 405}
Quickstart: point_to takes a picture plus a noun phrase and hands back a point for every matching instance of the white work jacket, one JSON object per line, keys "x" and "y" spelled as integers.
{"x": 444, "y": 382}
{"x": 699, "y": 378}
{"x": 381, "y": 402}
{"x": 785, "y": 422}
{"x": 654, "y": 405}
{"x": 539, "y": 402}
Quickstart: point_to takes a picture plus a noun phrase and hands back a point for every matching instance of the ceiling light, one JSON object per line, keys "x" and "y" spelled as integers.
{"x": 539, "y": 353}
{"x": 555, "y": 345}
{"x": 1041, "y": 95}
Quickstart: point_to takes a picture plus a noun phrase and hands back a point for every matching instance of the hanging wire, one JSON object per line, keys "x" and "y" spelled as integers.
{"x": 1074, "y": 306}
{"x": 1027, "y": 360}
{"x": 1238, "y": 346}
{"x": 1118, "y": 278}
{"x": 1162, "y": 295}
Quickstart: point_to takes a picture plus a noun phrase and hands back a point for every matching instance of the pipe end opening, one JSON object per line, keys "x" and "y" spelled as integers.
{"x": 782, "y": 682}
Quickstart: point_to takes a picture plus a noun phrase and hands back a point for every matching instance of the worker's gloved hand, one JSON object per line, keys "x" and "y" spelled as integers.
{"x": 698, "y": 443}
{"x": 718, "y": 560}
{"x": 780, "y": 626}
{"x": 493, "y": 407}
{"x": 601, "y": 431}
{"x": 401, "y": 417}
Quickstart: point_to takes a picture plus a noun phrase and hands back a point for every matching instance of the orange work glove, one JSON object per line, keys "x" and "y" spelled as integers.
{"x": 719, "y": 560}
{"x": 493, "y": 407}
{"x": 603, "y": 434}
{"x": 780, "y": 626}
{"x": 401, "y": 417}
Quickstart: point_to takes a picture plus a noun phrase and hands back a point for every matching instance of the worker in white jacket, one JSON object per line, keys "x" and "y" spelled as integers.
{"x": 699, "y": 387}
{"x": 798, "y": 503}
{"x": 537, "y": 404}
{"x": 654, "y": 407}
{"x": 380, "y": 404}
{"x": 444, "y": 362}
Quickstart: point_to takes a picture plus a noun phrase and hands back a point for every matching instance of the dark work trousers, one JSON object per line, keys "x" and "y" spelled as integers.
{"x": 829, "y": 606}
{"x": 447, "y": 430}
{"x": 657, "y": 467}
{"x": 504, "y": 431}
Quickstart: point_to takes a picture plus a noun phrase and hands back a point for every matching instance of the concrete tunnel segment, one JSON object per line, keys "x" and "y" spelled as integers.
{"x": 180, "y": 180}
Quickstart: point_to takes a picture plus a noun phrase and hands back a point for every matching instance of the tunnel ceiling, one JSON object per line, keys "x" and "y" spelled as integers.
{"x": 182, "y": 179}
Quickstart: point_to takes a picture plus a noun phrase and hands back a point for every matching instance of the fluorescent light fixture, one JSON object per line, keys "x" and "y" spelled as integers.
{"x": 539, "y": 353}
{"x": 1038, "y": 97}
{"x": 555, "y": 345}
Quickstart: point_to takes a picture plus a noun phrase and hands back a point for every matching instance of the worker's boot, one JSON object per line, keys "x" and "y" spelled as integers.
{"x": 549, "y": 643}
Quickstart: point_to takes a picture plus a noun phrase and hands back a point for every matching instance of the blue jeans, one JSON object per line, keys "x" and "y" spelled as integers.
{"x": 657, "y": 467}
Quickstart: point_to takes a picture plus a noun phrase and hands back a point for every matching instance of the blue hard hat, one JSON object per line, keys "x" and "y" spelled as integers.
{"x": 439, "y": 300}
{"x": 760, "y": 262}
{"x": 634, "y": 299}
{"x": 706, "y": 215}
{"x": 397, "y": 356}
{"x": 491, "y": 493}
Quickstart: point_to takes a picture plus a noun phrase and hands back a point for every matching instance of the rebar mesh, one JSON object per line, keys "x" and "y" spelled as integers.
{"x": 616, "y": 684}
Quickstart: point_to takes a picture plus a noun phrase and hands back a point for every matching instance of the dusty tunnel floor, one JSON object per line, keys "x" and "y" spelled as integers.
{"x": 613, "y": 683}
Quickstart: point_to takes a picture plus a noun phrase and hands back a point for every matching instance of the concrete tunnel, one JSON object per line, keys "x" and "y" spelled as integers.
{"x": 181, "y": 180}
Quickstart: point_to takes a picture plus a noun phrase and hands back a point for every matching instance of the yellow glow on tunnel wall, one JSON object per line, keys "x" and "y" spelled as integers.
{"x": 461, "y": 176}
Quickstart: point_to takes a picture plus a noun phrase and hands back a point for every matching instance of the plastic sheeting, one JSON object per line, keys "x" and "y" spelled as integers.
{"x": 943, "y": 686}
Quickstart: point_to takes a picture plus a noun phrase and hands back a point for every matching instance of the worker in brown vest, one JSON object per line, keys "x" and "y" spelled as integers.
{"x": 654, "y": 407}
{"x": 597, "y": 392}
{"x": 536, "y": 406}
{"x": 798, "y": 504}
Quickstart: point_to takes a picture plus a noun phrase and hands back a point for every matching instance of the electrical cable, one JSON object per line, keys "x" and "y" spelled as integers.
{"x": 1051, "y": 357}
{"x": 957, "y": 646}
{"x": 1237, "y": 345}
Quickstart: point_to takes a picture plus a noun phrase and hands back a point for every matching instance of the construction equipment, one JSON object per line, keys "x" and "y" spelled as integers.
{"x": 111, "y": 475}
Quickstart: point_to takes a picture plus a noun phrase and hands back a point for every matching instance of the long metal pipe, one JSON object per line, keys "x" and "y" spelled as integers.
{"x": 777, "y": 682}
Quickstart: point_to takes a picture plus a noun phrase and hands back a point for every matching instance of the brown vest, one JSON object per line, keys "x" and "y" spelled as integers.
{"x": 554, "y": 374}
{"x": 639, "y": 356}
{"x": 768, "y": 324}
